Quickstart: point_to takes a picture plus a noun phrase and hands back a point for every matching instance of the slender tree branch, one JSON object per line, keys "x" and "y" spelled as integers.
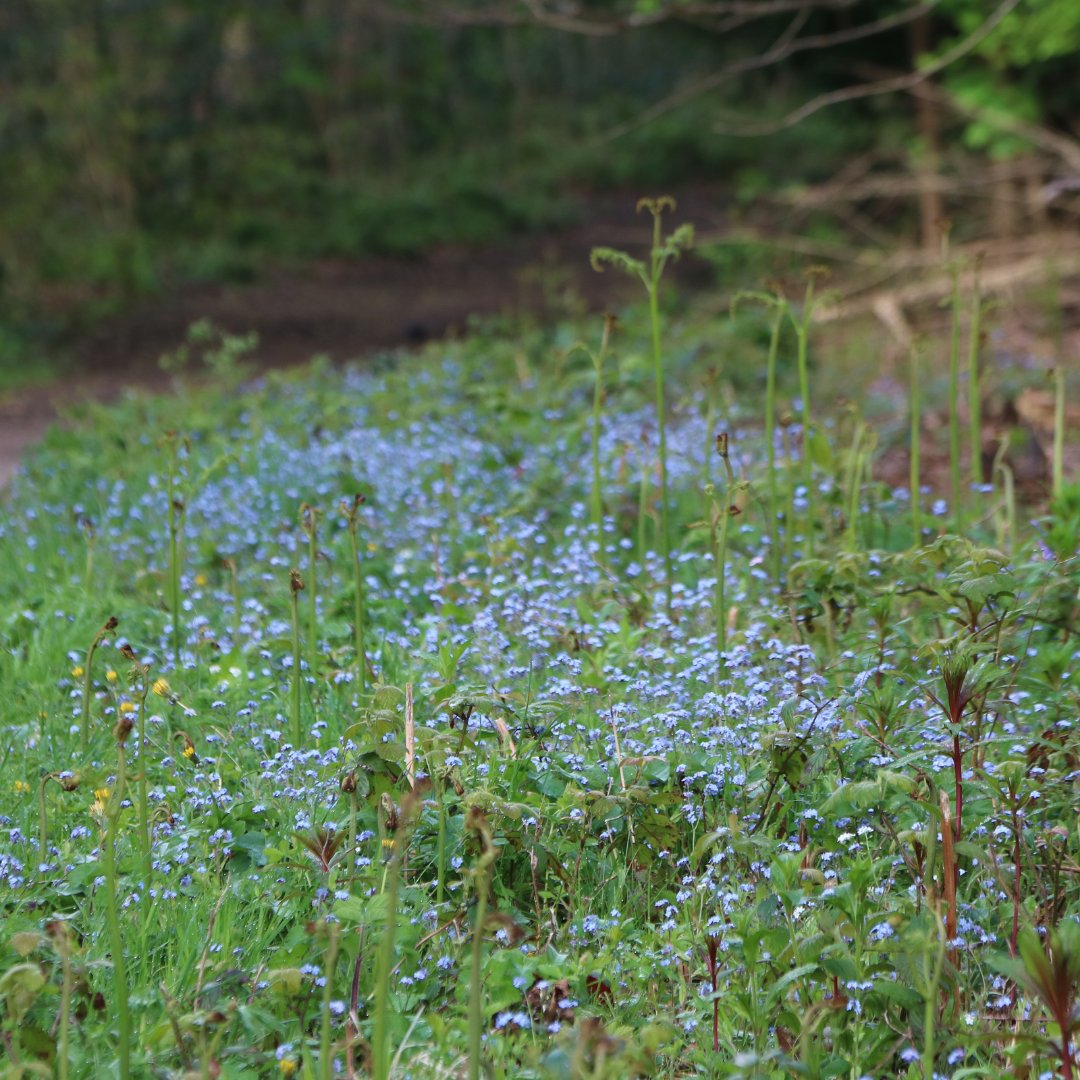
{"x": 785, "y": 46}
{"x": 906, "y": 82}
{"x": 572, "y": 18}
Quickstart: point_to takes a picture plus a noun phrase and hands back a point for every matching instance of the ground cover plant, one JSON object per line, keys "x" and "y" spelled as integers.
{"x": 427, "y": 719}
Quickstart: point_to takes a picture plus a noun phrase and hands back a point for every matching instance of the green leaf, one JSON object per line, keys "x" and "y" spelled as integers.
{"x": 605, "y": 256}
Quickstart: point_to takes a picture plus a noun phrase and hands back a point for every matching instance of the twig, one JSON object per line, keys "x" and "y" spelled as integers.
{"x": 898, "y": 83}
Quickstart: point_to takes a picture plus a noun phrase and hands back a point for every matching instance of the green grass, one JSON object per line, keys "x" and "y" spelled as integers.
{"x": 626, "y": 854}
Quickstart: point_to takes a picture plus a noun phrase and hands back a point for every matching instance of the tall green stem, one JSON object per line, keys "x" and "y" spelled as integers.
{"x": 144, "y": 798}
{"x": 802, "y": 335}
{"x": 440, "y": 881}
{"x": 384, "y": 965}
{"x": 1059, "y": 430}
{"x": 598, "y": 399}
{"x": 661, "y": 251}
{"x": 658, "y": 371}
{"x": 643, "y": 503}
{"x": 296, "y": 584}
{"x": 725, "y": 507}
{"x": 476, "y": 985}
{"x": 770, "y": 445}
{"x": 66, "y": 988}
{"x": 43, "y": 822}
{"x": 974, "y": 389}
{"x": 112, "y": 913}
{"x": 954, "y": 398}
{"x": 352, "y": 518}
{"x": 110, "y": 624}
{"x": 175, "y": 523}
{"x": 914, "y": 480}
{"x": 326, "y": 1059}
{"x": 855, "y": 472}
{"x": 930, "y": 999}
{"x": 309, "y": 522}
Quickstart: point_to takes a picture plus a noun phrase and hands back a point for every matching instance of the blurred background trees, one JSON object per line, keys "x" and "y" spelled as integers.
{"x": 148, "y": 143}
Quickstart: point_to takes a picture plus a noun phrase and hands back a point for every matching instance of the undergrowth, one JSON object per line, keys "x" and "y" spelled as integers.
{"x": 365, "y": 724}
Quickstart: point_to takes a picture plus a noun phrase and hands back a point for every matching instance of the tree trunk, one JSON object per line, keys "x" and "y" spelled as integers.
{"x": 927, "y": 156}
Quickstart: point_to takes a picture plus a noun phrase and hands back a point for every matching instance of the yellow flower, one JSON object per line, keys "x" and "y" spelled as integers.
{"x": 189, "y": 751}
{"x": 97, "y": 807}
{"x": 200, "y": 580}
{"x": 78, "y": 671}
{"x": 286, "y": 1066}
{"x": 372, "y": 546}
{"x": 110, "y": 675}
{"x": 161, "y": 687}
{"x": 21, "y": 787}
{"x": 127, "y": 707}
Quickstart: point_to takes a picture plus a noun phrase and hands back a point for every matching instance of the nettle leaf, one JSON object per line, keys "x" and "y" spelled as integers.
{"x": 986, "y": 587}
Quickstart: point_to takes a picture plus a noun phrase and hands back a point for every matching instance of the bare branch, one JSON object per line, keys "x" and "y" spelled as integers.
{"x": 906, "y": 82}
{"x": 570, "y": 17}
{"x": 784, "y": 47}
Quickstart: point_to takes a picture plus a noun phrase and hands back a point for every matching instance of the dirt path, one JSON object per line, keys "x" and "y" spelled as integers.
{"x": 345, "y": 310}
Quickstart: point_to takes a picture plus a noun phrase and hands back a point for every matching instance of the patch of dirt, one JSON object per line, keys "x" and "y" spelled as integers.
{"x": 349, "y": 309}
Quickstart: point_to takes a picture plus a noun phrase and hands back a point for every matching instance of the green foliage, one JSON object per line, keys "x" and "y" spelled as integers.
{"x": 608, "y": 838}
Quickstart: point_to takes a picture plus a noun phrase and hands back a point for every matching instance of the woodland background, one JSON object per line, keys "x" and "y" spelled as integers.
{"x": 153, "y": 145}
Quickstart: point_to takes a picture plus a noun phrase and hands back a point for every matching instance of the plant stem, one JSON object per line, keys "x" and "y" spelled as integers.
{"x": 175, "y": 517}
{"x": 295, "y": 585}
{"x": 802, "y": 335}
{"x": 309, "y": 518}
{"x": 66, "y": 988}
{"x": 144, "y": 799}
{"x": 116, "y": 938}
{"x": 954, "y": 398}
{"x": 384, "y": 965}
{"x": 658, "y": 371}
{"x": 770, "y": 445}
{"x": 440, "y": 884}
{"x": 789, "y": 511}
{"x": 86, "y": 689}
{"x": 598, "y": 398}
{"x": 725, "y": 508}
{"x": 326, "y": 1061}
{"x": 352, "y": 518}
{"x": 721, "y": 574}
{"x": 352, "y": 835}
{"x": 930, "y": 1005}
{"x": 855, "y": 485}
{"x": 914, "y": 481}
{"x": 974, "y": 390}
{"x": 1059, "y": 430}
{"x": 476, "y": 983}
{"x": 643, "y": 504}
{"x": 43, "y": 825}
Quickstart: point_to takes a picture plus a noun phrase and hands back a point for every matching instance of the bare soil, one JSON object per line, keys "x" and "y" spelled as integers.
{"x": 350, "y": 309}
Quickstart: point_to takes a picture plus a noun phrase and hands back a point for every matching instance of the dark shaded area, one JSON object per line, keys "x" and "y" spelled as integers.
{"x": 163, "y": 149}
